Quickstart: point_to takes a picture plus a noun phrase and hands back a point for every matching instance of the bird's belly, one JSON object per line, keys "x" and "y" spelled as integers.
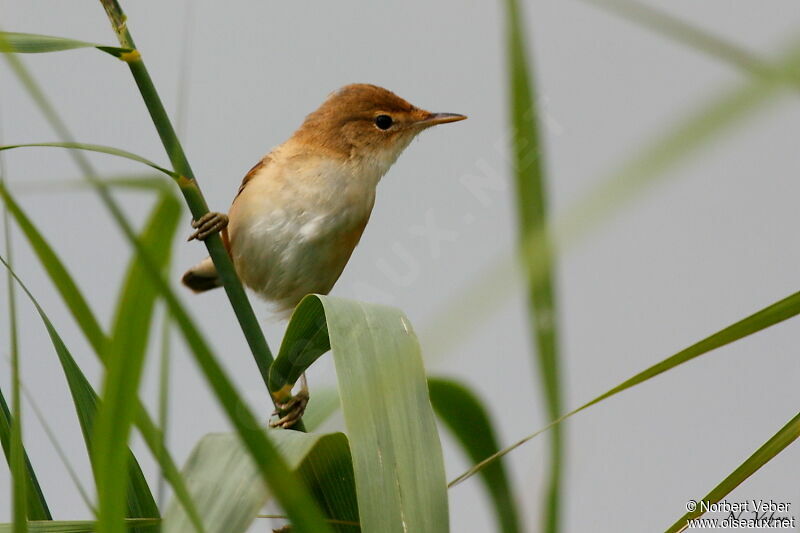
{"x": 284, "y": 256}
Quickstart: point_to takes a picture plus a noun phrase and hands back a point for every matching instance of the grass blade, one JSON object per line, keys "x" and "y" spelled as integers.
{"x": 397, "y": 456}
{"x": 465, "y": 416}
{"x": 683, "y": 139}
{"x": 79, "y": 526}
{"x": 228, "y": 488}
{"x": 62, "y": 280}
{"x": 86, "y": 406}
{"x": 687, "y": 34}
{"x": 532, "y": 214}
{"x": 29, "y": 43}
{"x": 143, "y": 181}
{"x": 91, "y": 329}
{"x": 36, "y": 504}
{"x": 783, "y": 438}
{"x": 125, "y": 361}
{"x": 151, "y": 434}
{"x": 110, "y": 150}
{"x": 193, "y": 196}
{"x": 769, "y": 316}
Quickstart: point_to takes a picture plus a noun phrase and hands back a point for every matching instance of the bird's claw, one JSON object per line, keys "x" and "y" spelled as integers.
{"x": 207, "y": 225}
{"x": 291, "y": 410}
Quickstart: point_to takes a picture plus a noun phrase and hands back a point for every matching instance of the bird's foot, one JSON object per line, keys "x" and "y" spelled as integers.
{"x": 207, "y": 225}
{"x": 291, "y": 410}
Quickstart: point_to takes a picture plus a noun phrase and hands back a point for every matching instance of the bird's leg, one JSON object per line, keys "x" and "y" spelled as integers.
{"x": 292, "y": 409}
{"x": 207, "y": 225}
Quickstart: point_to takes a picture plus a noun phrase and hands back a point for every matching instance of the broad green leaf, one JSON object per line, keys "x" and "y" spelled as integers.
{"x": 226, "y": 484}
{"x": 36, "y": 504}
{"x": 466, "y": 417}
{"x": 124, "y": 365}
{"x": 766, "y": 317}
{"x": 95, "y": 148}
{"x": 29, "y": 43}
{"x": 81, "y": 526}
{"x": 289, "y": 491}
{"x": 325, "y": 403}
{"x": 397, "y": 456}
{"x": 776, "y": 444}
{"x": 535, "y": 244}
{"x": 90, "y": 327}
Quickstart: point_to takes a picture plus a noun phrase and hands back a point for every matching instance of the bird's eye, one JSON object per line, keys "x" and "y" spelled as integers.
{"x": 383, "y": 122}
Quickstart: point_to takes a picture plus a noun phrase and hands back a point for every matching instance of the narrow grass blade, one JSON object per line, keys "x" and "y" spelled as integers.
{"x": 466, "y": 417}
{"x": 537, "y": 253}
{"x": 110, "y": 150}
{"x": 143, "y": 181}
{"x": 776, "y": 444}
{"x": 62, "y": 280}
{"x": 124, "y": 364}
{"x": 397, "y": 455}
{"x": 86, "y": 402}
{"x": 29, "y": 43}
{"x": 689, "y": 35}
{"x": 769, "y": 316}
{"x": 192, "y": 194}
{"x": 82, "y": 526}
{"x": 151, "y": 434}
{"x": 227, "y": 486}
{"x": 717, "y": 116}
{"x": 36, "y": 504}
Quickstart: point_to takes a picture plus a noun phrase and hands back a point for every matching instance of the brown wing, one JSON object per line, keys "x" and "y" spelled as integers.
{"x": 251, "y": 174}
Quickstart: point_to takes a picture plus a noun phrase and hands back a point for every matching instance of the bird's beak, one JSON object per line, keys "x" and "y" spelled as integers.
{"x": 432, "y": 119}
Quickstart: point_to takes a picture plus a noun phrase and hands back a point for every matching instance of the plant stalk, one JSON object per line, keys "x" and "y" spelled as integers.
{"x": 193, "y": 196}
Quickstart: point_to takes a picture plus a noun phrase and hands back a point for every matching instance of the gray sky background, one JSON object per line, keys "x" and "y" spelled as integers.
{"x": 714, "y": 242}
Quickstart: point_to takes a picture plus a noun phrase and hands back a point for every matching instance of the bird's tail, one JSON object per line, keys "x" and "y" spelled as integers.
{"x": 202, "y": 277}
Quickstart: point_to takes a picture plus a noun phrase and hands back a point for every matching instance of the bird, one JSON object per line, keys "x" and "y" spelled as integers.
{"x": 301, "y": 210}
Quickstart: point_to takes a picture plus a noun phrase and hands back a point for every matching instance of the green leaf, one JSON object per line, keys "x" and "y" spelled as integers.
{"x": 144, "y": 181}
{"x": 95, "y": 148}
{"x": 227, "y": 486}
{"x": 124, "y": 365}
{"x": 766, "y": 317}
{"x": 36, "y": 504}
{"x": 91, "y": 329}
{"x": 86, "y": 403}
{"x": 81, "y": 526}
{"x": 653, "y": 162}
{"x": 397, "y": 456}
{"x": 466, "y": 417}
{"x": 535, "y": 245}
{"x": 29, "y": 43}
{"x": 783, "y": 438}
{"x": 326, "y": 402}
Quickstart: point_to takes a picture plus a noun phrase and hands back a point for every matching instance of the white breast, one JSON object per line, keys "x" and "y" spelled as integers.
{"x": 295, "y": 224}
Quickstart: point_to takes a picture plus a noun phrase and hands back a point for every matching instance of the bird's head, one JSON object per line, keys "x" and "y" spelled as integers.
{"x": 368, "y": 123}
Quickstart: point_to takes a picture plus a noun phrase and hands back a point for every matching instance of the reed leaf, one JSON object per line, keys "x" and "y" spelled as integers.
{"x": 90, "y": 327}
{"x": 769, "y": 316}
{"x": 776, "y": 444}
{"x": 36, "y": 505}
{"x": 466, "y": 417}
{"x": 227, "y": 486}
{"x": 29, "y": 43}
{"x": 535, "y": 245}
{"x": 397, "y": 455}
{"x": 81, "y": 526}
{"x": 95, "y": 148}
